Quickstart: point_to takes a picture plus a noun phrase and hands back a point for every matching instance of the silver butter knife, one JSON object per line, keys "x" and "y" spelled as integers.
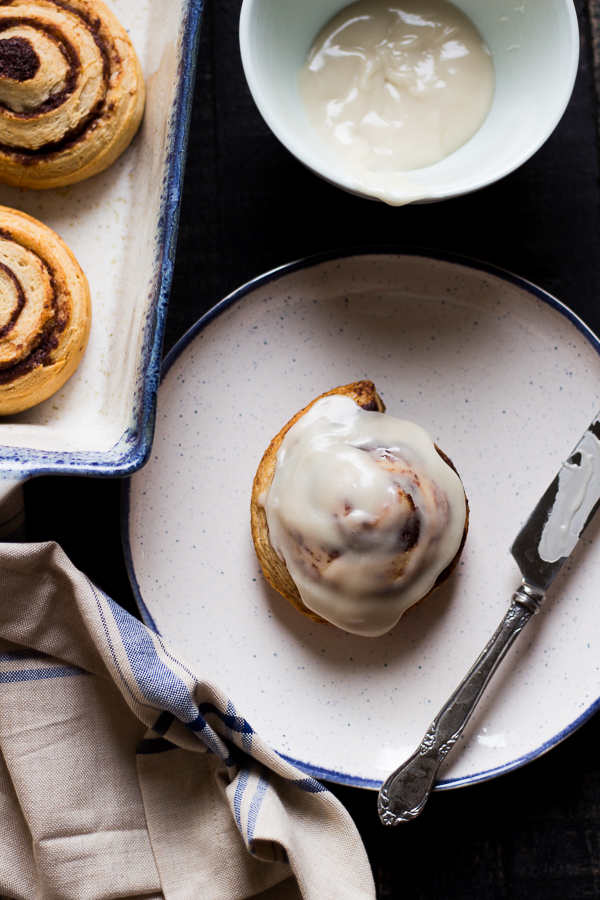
{"x": 540, "y": 549}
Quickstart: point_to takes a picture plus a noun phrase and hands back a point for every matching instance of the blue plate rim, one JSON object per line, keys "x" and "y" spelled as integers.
{"x": 287, "y": 269}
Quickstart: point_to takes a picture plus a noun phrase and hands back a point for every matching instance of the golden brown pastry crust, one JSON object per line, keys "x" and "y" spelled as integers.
{"x": 274, "y": 569}
{"x": 71, "y": 91}
{"x": 45, "y": 312}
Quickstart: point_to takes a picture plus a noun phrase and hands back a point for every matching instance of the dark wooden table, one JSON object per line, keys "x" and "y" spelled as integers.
{"x": 249, "y": 206}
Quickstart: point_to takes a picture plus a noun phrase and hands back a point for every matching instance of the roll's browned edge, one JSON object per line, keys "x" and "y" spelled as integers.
{"x": 94, "y": 143}
{"x": 274, "y": 569}
{"x": 58, "y": 357}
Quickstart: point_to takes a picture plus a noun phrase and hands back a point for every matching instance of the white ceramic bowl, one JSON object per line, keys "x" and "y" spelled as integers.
{"x": 535, "y": 48}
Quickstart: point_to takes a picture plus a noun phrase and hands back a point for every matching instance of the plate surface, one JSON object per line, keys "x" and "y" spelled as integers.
{"x": 121, "y": 226}
{"x": 505, "y": 379}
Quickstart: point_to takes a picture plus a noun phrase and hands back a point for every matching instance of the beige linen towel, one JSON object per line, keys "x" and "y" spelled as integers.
{"x": 125, "y": 773}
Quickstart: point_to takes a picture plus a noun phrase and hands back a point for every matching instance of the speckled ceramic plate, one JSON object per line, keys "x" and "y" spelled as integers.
{"x": 122, "y": 227}
{"x": 504, "y": 377}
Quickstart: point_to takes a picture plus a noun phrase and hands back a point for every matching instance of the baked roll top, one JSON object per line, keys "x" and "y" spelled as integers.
{"x": 364, "y": 511}
{"x": 45, "y": 312}
{"x": 71, "y": 91}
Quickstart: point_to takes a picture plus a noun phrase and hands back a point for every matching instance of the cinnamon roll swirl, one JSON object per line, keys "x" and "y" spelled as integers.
{"x": 45, "y": 312}
{"x": 356, "y": 516}
{"x": 71, "y": 91}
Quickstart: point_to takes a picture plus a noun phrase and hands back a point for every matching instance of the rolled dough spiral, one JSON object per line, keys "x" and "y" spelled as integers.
{"x": 45, "y": 312}
{"x": 71, "y": 91}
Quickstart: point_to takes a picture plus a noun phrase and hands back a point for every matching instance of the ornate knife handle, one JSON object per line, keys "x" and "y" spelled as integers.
{"x": 404, "y": 794}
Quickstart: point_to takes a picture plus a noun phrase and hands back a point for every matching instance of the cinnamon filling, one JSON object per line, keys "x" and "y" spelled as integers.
{"x": 18, "y": 59}
{"x": 67, "y": 50}
{"x": 39, "y": 356}
{"x": 108, "y": 57}
{"x": 10, "y": 324}
{"x": 31, "y": 318}
{"x": 70, "y": 139}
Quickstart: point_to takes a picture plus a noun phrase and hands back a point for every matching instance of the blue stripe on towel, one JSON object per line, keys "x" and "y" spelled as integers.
{"x": 233, "y": 722}
{"x": 164, "y": 689}
{"x": 19, "y": 655}
{"x": 199, "y": 724}
{"x": 12, "y": 519}
{"x": 148, "y": 746}
{"x": 175, "y": 659}
{"x": 310, "y": 785}
{"x": 243, "y": 778}
{"x": 159, "y": 684}
{"x": 135, "y": 639}
{"x": 163, "y": 723}
{"x": 17, "y": 677}
{"x": 13, "y": 530}
{"x": 156, "y": 681}
{"x": 238, "y": 725}
{"x": 110, "y": 643}
{"x": 229, "y": 717}
{"x": 215, "y": 744}
{"x": 255, "y": 804}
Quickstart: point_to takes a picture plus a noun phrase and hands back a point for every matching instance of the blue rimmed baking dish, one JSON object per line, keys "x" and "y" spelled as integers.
{"x": 122, "y": 227}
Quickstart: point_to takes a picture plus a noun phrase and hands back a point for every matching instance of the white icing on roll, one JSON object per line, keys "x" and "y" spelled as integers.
{"x": 364, "y": 512}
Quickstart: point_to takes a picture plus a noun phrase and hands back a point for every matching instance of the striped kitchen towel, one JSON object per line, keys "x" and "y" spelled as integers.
{"x": 125, "y": 773}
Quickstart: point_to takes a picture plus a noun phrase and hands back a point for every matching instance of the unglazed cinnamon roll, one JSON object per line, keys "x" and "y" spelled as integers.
{"x": 356, "y": 516}
{"x": 71, "y": 91}
{"x": 45, "y": 312}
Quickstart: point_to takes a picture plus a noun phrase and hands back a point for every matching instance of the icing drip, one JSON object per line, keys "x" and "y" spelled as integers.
{"x": 364, "y": 512}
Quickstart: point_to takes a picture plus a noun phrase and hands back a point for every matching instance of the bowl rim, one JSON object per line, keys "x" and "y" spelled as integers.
{"x": 332, "y": 176}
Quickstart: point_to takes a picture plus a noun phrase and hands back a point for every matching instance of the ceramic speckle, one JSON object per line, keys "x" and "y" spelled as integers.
{"x": 506, "y": 380}
{"x": 122, "y": 227}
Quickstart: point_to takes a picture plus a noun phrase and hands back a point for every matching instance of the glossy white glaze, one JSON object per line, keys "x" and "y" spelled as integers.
{"x": 391, "y": 87}
{"x": 364, "y": 512}
{"x": 489, "y": 370}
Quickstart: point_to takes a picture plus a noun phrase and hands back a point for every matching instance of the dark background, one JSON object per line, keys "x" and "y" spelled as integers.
{"x": 249, "y": 206}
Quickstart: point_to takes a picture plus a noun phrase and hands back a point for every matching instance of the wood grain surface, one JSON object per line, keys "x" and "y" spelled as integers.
{"x": 249, "y": 206}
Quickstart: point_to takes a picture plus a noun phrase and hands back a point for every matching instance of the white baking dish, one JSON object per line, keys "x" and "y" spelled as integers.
{"x": 122, "y": 227}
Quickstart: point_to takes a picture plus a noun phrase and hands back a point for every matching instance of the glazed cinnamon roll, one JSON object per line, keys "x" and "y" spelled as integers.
{"x": 356, "y": 516}
{"x": 71, "y": 91}
{"x": 45, "y": 312}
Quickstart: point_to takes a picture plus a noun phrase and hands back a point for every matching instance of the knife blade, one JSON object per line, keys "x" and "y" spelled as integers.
{"x": 551, "y": 532}
{"x": 541, "y": 548}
